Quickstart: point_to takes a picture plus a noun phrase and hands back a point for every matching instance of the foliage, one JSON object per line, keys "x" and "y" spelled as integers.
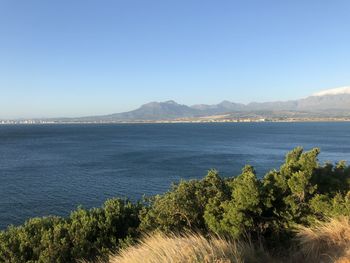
{"x": 84, "y": 234}
{"x": 300, "y": 192}
{"x": 184, "y": 205}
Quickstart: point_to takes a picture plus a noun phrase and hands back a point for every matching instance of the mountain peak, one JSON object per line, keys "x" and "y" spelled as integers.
{"x": 225, "y": 102}
{"x": 159, "y": 104}
{"x": 336, "y": 91}
{"x": 171, "y": 102}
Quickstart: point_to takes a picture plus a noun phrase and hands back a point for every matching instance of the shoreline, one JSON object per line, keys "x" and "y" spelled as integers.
{"x": 292, "y": 120}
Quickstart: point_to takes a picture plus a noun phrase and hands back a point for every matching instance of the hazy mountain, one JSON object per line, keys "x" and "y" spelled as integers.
{"x": 277, "y": 105}
{"x": 325, "y": 102}
{"x": 224, "y": 106}
{"x": 156, "y": 111}
{"x": 333, "y": 102}
{"x": 337, "y": 99}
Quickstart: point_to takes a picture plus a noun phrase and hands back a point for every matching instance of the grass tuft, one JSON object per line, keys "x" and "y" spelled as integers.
{"x": 190, "y": 248}
{"x": 326, "y": 241}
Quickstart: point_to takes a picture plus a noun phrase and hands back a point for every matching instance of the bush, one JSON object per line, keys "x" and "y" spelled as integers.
{"x": 183, "y": 207}
{"x": 300, "y": 192}
{"x": 84, "y": 234}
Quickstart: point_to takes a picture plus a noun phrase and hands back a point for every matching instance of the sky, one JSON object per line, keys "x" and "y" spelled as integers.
{"x": 91, "y": 57}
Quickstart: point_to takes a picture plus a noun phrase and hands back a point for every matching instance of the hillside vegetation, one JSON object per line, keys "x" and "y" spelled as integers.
{"x": 278, "y": 212}
{"x": 191, "y": 248}
{"x": 327, "y": 242}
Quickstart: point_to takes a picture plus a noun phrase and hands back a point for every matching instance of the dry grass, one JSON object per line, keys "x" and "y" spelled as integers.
{"x": 327, "y": 241}
{"x": 191, "y": 248}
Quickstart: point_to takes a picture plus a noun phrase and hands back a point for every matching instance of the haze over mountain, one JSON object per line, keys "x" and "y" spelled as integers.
{"x": 328, "y": 103}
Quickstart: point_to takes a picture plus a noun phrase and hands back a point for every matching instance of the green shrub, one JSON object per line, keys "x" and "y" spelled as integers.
{"x": 184, "y": 205}
{"x": 300, "y": 192}
{"x": 84, "y": 234}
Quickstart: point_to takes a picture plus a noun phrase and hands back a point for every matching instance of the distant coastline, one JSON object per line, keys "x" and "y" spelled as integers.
{"x": 206, "y": 120}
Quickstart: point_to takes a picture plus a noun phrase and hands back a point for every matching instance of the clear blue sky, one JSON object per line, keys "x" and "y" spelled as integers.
{"x": 83, "y": 57}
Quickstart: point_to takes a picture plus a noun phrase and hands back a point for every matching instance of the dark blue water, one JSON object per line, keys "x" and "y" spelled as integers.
{"x": 50, "y": 169}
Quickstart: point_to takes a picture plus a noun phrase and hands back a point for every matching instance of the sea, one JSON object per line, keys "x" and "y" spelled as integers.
{"x": 52, "y": 169}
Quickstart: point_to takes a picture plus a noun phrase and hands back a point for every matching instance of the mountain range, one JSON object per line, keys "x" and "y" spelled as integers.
{"x": 328, "y": 103}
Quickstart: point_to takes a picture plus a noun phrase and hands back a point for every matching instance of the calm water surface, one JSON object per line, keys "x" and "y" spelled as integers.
{"x": 50, "y": 169}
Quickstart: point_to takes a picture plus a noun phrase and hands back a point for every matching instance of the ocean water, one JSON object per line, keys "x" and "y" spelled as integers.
{"x": 51, "y": 169}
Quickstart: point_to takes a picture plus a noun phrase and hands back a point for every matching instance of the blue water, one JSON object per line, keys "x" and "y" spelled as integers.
{"x": 50, "y": 169}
